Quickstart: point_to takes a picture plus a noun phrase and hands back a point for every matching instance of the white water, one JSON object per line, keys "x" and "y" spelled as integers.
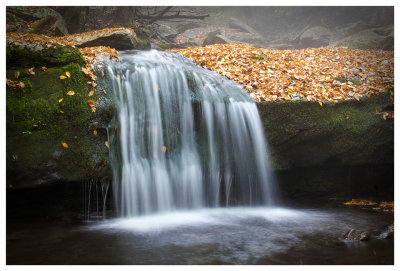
{"x": 187, "y": 138}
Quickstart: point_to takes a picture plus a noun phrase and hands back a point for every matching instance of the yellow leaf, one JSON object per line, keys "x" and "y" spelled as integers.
{"x": 91, "y": 93}
{"x": 346, "y": 116}
{"x": 106, "y": 143}
{"x": 44, "y": 68}
{"x": 98, "y": 101}
{"x": 65, "y": 145}
{"x": 62, "y": 112}
{"x": 93, "y": 109}
{"x": 102, "y": 74}
{"x": 62, "y": 77}
{"x": 95, "y": 132}
{"x": 320, "y": 103}
{"x": 105, "y": 92}
{"x": 164, "y": 149}
{"x": 60, "y": 100}
{"x": 16, "y": 74}
{"x": 70, "y": 93}
{"x": 68, "y": 74}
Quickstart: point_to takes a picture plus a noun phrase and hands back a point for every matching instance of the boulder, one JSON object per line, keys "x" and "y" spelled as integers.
{"x": 49, "y": 26}
{"x": 122, "y": 39}
{"x": 354, "y": 235}
{"x": 215, "y": 37}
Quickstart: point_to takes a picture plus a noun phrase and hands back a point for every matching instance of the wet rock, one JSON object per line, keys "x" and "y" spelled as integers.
{"x": 355, "y": 235}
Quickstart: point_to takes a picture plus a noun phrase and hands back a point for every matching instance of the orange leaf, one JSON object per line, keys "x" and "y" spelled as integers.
{"x": 65, "y": 145}
{"x": 106, "y": 143}
{"x": 95, "y": 132}
{"x": 16, "y": 74}
{"x": 62, "y": 112}
{"x": 98, "y": 101}
{"x": 105, "y": 92}
{"x": 320, "y": 103}
{"x": 70, "y": 93}
{"x": 91, "y": 103}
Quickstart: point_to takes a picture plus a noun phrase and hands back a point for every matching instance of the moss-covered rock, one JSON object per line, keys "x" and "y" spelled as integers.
{"x": 302, "y": 133}
{"x": 38, "y": 121}
{"x": 26, "y": 56}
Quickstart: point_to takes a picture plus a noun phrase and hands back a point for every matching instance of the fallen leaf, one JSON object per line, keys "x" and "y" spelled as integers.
{"x": 62, "y": 77}
{"x": 60, "y": 100}
{"x": 91, "y": 102}
{"x": 98, "y": 101}
{"x": 346, "y": 116}
{"x": 93, "y": 109}
{"x": 30, "y": 71}
{"x": 62, "y": 112}
{"x": 65, "y": 145}
{"x": 95, "y": 132}
{"x": 105, "y": 92}
{"x": 102, "y": 73}
{"x": 16, "y": 74}
{"x": 68, "y": 74}
{"x": 91, "y": 93}
{"x": 164, "y": 149}
{"x": 44, "y": 68}
{"x": 320, "y": 103}
{"x": 106, "y": 143}
{"x": 70, "y": 93}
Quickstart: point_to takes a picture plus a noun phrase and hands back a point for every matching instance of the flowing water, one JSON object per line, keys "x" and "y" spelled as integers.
{"x": 187, "y": 138}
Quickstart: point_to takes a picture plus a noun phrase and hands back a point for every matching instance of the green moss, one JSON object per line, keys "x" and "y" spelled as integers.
{"x": 37, "y": 55}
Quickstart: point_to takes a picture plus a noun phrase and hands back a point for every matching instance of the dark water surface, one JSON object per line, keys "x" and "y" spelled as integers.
{"x": 206, "y": 236}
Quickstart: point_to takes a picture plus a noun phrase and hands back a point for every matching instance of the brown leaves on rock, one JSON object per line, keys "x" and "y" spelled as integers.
{"x": 387, "y": 206}
{"x": 69, "y": 40}
{"x": 324, "y": 74}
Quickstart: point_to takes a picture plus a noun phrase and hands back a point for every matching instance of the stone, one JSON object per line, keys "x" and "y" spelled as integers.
{"x": 355, "y": 235}
{"x": 215, "y": 37}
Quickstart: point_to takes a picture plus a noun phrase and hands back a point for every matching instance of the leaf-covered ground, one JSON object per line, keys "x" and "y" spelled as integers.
{"x": 323, "y": 74}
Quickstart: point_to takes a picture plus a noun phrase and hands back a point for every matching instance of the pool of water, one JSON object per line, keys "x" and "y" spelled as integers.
{"x": 207, "y": 236}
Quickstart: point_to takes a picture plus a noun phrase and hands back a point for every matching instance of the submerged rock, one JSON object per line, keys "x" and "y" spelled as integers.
{"x": 355, "y": 235}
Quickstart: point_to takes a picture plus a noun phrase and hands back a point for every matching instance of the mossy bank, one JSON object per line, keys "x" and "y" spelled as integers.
{"x": 41, "y": 116}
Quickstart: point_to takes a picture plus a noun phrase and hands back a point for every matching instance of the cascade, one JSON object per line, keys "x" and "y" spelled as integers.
{"x": 186, "y": 138}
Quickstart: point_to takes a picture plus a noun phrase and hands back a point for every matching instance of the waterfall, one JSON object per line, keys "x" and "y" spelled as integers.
{"x": 185, "y": 138}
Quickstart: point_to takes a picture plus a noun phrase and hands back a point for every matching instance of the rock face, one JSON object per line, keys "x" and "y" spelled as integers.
{"x": 302, "y": 133}
{"x": 341, "y": 150}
